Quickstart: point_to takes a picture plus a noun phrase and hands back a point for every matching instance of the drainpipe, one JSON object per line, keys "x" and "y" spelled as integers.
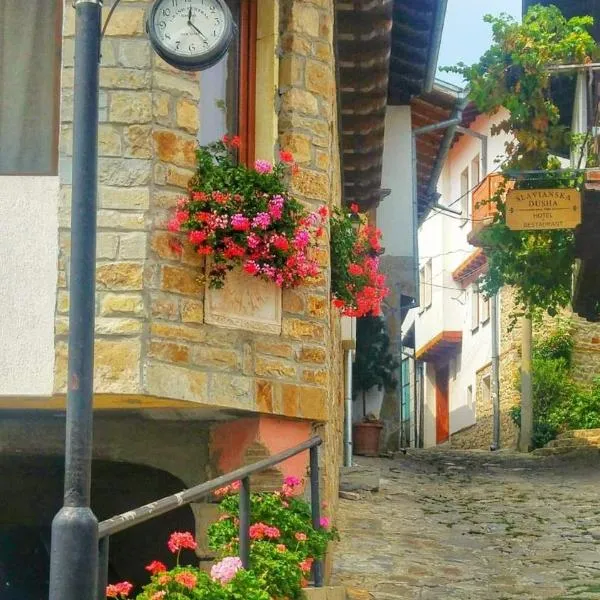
{"x": 348, "y": 401}
{"x": 436, "y": 40}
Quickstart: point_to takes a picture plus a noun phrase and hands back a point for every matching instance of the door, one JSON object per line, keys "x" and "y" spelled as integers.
{"x": 442, "y": 415}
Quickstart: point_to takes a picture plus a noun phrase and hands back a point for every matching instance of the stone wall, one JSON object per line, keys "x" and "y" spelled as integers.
{"x": 152, "y": 335}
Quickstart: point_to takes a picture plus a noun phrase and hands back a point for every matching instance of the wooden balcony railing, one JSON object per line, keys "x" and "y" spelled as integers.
{"x": 482, "y": 211}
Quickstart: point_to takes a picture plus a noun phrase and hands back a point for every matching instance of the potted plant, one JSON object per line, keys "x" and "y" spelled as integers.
{"x": 373, "y": 374}
{"x": 244, "y": 217}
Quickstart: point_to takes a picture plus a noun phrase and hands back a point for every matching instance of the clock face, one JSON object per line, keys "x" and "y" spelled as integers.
{"x": 190, "y": 34}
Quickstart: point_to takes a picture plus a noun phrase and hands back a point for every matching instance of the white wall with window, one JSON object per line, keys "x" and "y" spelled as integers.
{"x": 456, "y": 305}
{"x": 29, "y": 192}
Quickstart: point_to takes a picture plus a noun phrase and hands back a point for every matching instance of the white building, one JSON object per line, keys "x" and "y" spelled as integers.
{"x": 452, "y": 325}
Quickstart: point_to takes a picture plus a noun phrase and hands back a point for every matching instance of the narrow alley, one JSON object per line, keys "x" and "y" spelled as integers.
{"x": 474, "y": 526}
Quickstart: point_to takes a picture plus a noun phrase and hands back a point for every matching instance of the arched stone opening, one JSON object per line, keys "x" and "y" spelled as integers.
{"x": 31, "y": 488}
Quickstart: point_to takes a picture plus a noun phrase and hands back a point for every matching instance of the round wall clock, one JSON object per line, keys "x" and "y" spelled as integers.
{"x": 192, "y": 35}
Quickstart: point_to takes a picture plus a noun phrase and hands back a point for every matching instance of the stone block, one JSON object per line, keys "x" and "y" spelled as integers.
{"x": 290, "y": 400}
{"x": 298, "y": 144}
{"x": 312, "y": 184}
{"x": 291, "y": 70}
{"x": 192, "y": 311}
{"x": 177, "y": 85}
{"x": 215, "y": 358}
{"x": 303, "y": 330}
{"x": 138, "y": 141}
{"x": 231, "y": 391}
{"x": 164, "y": 244}
{"x": 316, "y": 376}
{"x": 301, "y": 101}
{"x": 62, "y": 302}
{"x": 169, "y": 352}
{"x": 165, "y": 308}
{"x": 165, "y": 174}
{"x": 124, "y": 172}
{"x": 278, "y": 349}
{"x": 313, "y": 403}
{"x": 292, "y": 42}
{"x": 130, "y": 107}
{"x": 107, "y": 245}
{"x": 161, "y": 108}
{"x": 118, "y": 326}
{"x": 121, "y": 304}
{"x": 318, "y": 306}
{"x": 172, "y": 381}
{"x": 124, "y": 198}
{"x": 187, "y": 115}
{"x": 116, "y": 78}
{"x": 133, "y": 245}
{"x": 125, "y": 221}
{"x": 180, "y": 281}
{"x": 174, "y": 148}
{"x": 109, "y": 141}
{"x": 304, "y": 19}
{"x": 264, "y": 396}
{"x": 266, "y": 367}
{"x": 120, "y": 276}
{"x": 319, "y": 79}
{"x": 128, "y": 21}
{"x": 325, "y": 593}
{"x": 178, "y": 332}
{"x": 135, "y": 54}
{"x": 292, "y": 302}
{"x": 312, "y": 354}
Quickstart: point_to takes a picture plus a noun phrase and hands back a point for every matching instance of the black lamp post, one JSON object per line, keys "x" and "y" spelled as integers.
{"x": 74, "y": 553}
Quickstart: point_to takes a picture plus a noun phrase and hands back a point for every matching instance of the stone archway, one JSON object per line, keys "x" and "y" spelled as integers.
{"x": 31, "y": 492}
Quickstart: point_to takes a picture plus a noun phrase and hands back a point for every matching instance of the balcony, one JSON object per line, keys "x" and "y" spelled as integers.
{"x": 482, "y": 212}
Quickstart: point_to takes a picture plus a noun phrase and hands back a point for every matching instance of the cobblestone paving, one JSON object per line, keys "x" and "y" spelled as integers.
{"x": 475, "y": 526}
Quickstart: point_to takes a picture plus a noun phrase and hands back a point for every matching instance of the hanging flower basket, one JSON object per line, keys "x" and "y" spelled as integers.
{"x": 245, "y": 217}
{"x": 357, "y": 286}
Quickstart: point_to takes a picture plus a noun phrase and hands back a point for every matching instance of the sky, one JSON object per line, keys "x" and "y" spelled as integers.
{"x": 466, "y": 37}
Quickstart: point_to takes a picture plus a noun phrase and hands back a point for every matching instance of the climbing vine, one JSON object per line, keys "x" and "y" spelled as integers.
{"x": 513, "y": 74}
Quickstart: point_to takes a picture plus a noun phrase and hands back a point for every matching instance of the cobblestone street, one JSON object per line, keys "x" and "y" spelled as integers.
{"x": 474, "y": 526}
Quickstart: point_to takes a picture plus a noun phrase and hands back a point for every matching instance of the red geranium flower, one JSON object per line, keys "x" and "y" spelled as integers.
{"x": 286, "y": 157}
{"x": 156, "y": 567}
{"x": 180, "y": 540}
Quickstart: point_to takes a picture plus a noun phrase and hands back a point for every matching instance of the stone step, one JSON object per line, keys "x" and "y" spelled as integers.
{"x": 326, "y": 593}
{"x": 356, "y": 594}
{"x": 573, "y": 442}
{"x": 565, "y": 450}
{"x": 580, "y": 433}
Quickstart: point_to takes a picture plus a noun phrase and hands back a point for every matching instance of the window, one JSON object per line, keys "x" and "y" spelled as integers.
{"x": 227, "y": 102}
{"x": 484, "y": 309}
{"x": 486, "y": 390}
{"x": 425, "y": 285}
{"x": 474, "y": 307}
{"x": 29, "y": 86}
{"x": 475, "y": 171}
{"x": 470, "y": 397}
{"x": 464, "y": 195}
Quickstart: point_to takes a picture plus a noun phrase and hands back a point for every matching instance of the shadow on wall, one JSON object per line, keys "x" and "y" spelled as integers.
{"x": 480, "y": 435}
{"x": 31, "y": 489}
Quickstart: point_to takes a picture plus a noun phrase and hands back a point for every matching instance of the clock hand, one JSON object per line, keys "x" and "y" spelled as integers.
{"x": 199, "y": 32}
{"x": 190, "y": 16}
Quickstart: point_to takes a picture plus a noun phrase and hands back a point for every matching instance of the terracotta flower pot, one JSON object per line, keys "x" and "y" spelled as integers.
{"x": 366, "y": 438}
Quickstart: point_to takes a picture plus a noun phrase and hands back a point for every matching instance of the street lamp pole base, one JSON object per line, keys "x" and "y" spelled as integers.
{"x": 74, "y": 556}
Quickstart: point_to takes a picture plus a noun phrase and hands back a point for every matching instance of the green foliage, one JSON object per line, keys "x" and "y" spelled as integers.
{"x": 513, "y": 75}
{"x": 244, "y": 586}
{"x": 282, "y": 558}
{"x": 374, "y": 365}
{"x": 559, "y": 403}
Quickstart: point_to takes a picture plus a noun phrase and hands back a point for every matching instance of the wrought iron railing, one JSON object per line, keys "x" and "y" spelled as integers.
{"x": 164, "y": 505}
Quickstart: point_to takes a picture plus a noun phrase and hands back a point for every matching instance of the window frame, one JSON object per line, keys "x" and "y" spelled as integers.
{"x": 465, "y": 197}
{"x": 474, "y": 308}
{"x": 484, "y": 315}
{"x": 57, "y": 94}
{"x": 247, "y": 80}
{"x": 425, "y": 285}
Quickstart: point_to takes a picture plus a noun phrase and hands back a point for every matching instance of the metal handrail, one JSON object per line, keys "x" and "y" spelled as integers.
{"x": 152, "y": 510}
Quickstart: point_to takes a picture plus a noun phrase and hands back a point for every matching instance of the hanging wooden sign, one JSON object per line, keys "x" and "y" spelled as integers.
{"x": 543, "y": 209}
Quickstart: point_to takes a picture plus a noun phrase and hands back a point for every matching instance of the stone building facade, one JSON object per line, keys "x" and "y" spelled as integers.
{"x": 213, "y": 379}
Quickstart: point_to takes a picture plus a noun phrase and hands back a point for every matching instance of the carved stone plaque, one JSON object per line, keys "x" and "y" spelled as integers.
{"x": 244, "y": 302}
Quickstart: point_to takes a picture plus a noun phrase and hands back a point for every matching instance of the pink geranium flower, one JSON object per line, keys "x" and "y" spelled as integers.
{"x": 225, "y": 570}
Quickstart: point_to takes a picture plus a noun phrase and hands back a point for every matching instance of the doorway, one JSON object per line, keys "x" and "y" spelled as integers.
{"x": 442, "y": 414}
